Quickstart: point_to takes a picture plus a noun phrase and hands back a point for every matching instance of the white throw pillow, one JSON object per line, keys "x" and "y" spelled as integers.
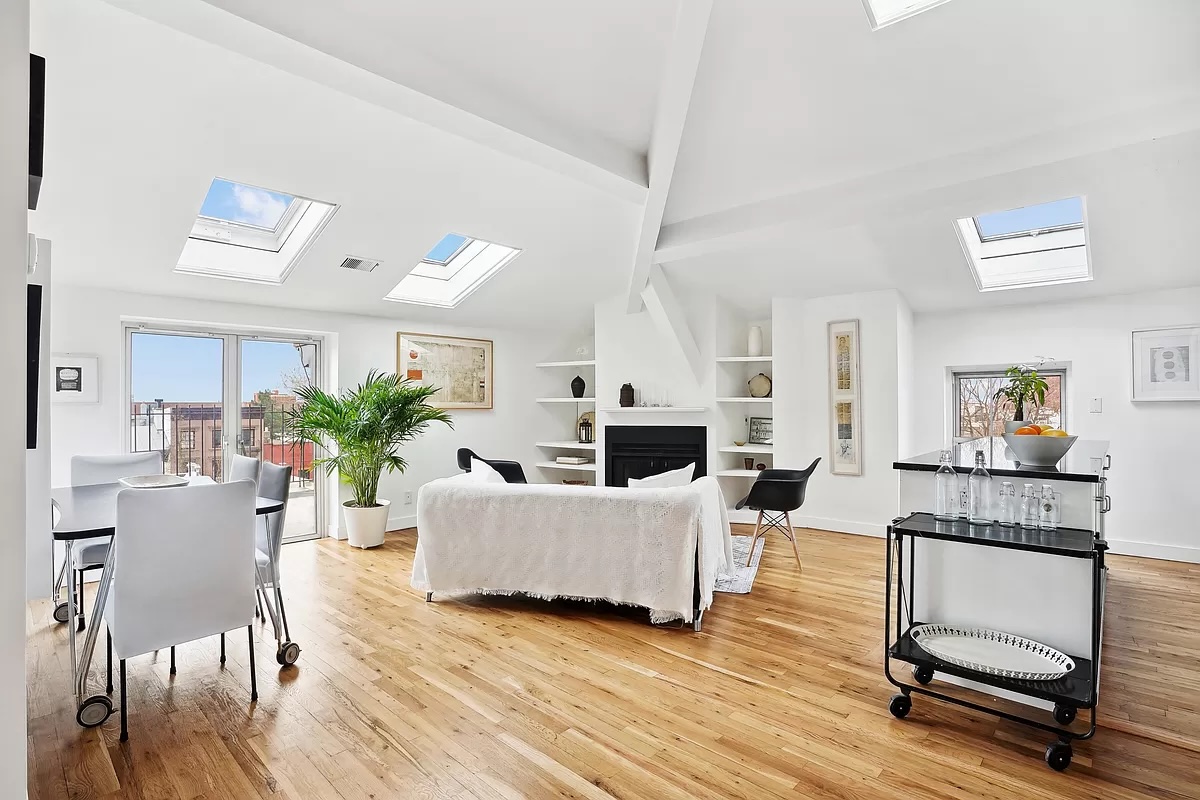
{"x": 486, "y": 472}
{"x": 665, "y": 480}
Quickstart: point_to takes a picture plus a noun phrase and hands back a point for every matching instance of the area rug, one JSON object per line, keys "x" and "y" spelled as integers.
{"x": 741, "y": 579}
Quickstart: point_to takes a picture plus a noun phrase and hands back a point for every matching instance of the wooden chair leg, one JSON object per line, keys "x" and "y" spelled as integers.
{"x": 754, "y": 539}
{"x": 787, "y": 518}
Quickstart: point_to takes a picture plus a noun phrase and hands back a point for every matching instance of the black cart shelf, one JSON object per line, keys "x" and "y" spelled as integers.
{"x": 1078, "y": 690}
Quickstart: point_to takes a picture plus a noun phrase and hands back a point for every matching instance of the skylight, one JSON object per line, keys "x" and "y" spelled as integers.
{"x": 885, "y": 12}
{"x": 247, "y": 233}
{"x": 1035, "y": 245}
{"x": 468, "y": 264}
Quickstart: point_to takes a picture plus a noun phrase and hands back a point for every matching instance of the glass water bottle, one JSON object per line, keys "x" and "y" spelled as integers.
{"x": 1006, "y": 510}
{"x": 1048, "y": 515}
{"x": 945, "y": 506}
{"x": 1030, "y": 508}
{"x": 979, "y": 493}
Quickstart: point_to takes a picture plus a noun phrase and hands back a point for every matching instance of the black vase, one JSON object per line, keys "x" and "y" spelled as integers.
{"x": 578, "y": 387}
{"x": 627, "y": 396}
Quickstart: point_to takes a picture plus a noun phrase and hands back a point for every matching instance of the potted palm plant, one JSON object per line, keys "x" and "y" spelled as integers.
{"x": 1024, "y": 385}
{"x": 362, "y": 430}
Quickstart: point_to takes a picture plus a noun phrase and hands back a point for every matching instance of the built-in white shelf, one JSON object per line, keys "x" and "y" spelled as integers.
{"x": 653, "y": 409}
{"x": 737, "y": 473}
{"x": 567, "y": 445}
{"x": 569, "y": 467}
{"x": 566, "y": 399}
{"x": 764, "y": 449}
{"x": 744, "y": 399}
{"x": 553, "y": 364}
{"x": 744, "y": 360}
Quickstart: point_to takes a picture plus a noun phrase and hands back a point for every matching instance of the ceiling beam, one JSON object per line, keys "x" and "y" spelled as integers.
{"x": 674, "y": 97}
{"x": 592, "y": 160}
{"x": 851, "y": 202}
{"x": 668, "y": 315}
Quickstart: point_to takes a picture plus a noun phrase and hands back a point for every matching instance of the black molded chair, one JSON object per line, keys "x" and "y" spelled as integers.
{"x": 776, "y": 493}
{"x": 510, "y": 470}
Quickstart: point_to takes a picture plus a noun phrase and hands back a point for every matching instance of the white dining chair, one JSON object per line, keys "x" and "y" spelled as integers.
{"x": 209, "y": 528}
{"x": 89, "y": 554}
{"x": 274, "y": 483}
{"x": 243, "y": 468}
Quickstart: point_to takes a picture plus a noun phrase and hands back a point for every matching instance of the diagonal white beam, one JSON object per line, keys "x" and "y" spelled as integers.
{"x": 674, "y": 97}
{"x": 588, "y": 159}
{"x": 850, "y": 202}
{"x": 668, "y": 315}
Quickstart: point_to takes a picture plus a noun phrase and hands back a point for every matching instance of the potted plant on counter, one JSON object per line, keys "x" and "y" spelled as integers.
{"x": 1024, "y": 385}
{"x": 363, "y": 430}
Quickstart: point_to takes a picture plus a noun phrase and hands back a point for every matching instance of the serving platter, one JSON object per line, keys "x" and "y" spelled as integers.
{"x": 993, "y": 652}
{"x": 153, "y": 481}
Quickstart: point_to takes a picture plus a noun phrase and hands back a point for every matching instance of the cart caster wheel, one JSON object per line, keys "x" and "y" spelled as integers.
{"x": 900, "y": 705}
{"x": 287, "y": 654}
{"x": 1064, "y": 715}
{"x": 922, "y": 674}
{"x": 1058, "y": 756}
{"x": 62, "y": 612}
{"x": 94, "y": 711}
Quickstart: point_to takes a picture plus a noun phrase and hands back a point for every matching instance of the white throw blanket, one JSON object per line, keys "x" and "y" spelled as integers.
{"x": 630, "y": 546}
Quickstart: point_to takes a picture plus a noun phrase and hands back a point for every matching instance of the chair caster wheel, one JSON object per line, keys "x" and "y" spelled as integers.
{"x": 922, "y": 674}
{"x": 62, "y": 612}
{"x": 287, "y": 654}
{"x": 1064, "y": 715}
{"x": 1058, "y": 756}
{"x": 900, "y": 705}
{"x": 94, "y": 711}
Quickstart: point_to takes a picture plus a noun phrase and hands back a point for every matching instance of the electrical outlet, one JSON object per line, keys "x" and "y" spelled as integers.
{"x": 408, "y": 498}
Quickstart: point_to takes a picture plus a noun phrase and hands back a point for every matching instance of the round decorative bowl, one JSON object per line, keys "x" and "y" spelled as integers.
{"x": 1039, "y": 451}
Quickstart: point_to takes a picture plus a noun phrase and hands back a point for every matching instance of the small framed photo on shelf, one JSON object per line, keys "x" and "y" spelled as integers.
{"x": 1165, "y": 364}
{"x": 760, "y": 431}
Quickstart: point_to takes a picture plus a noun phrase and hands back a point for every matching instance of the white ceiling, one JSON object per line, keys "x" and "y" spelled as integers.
{"x": 817, "y": 157}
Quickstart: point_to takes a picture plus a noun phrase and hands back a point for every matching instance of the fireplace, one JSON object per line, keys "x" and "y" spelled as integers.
{"x": 638, "y": 451}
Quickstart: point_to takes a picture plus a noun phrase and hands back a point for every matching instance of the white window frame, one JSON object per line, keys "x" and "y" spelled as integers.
{"x": 238, "y": 234}
{"x": 953, "y": 374}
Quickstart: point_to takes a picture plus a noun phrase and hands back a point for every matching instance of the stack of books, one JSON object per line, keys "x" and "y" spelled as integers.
{"x": 572, "y": 460}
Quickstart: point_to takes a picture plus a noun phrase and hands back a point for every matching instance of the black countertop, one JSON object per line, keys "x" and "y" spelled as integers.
{"x": 1084, "y": 462}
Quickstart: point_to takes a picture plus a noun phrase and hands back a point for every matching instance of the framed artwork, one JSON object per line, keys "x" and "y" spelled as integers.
{"x": 760, "y": 431}
{"x": 76, "y": 379}
{"x": 845, "y": 445}
{"x": 1165, "y": 365}
{"x": 461, "y": 369}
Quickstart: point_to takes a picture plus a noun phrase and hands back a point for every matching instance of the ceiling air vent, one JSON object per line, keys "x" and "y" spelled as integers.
{"x": 360, "y": 264}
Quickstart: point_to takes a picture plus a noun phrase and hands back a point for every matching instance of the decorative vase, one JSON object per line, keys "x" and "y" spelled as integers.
{"x": 627, "y": 396}
{"x": 1011, "y": 425}
{"x": 365, "y": 527}
{"x": 577, "y": 387}
{"x": 754, "y": 344}
{"x": 748, "y": 462}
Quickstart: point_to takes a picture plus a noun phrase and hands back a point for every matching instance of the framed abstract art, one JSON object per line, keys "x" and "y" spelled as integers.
{"x": 1165, "y": 366}
{"x": 461, "y": 369}
{"x": 845, "y": 445}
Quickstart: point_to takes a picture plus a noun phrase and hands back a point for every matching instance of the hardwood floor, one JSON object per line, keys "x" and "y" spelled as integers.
{"x": 781, "y": 696}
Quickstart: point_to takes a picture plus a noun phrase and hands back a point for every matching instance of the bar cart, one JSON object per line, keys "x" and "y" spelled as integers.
{"x": 1075, "y": 691}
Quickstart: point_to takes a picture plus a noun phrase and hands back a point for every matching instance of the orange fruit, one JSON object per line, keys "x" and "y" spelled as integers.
{"x": 1028, "y": 430}
{"x": 1055, "y": 433}
{"x": 1040, "y": 429}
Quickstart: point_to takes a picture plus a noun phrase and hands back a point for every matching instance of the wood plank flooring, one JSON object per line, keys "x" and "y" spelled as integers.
{"x": 781, "y": 696}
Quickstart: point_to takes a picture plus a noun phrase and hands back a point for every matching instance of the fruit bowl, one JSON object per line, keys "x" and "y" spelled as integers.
{"x": 1039, "y": 451}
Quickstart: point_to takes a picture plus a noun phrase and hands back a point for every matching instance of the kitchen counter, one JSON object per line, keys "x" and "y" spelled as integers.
{"x": 1085, "y": 462}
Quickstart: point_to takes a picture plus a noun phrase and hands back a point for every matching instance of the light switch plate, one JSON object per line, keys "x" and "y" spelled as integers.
{"x": 1096, "y": 406}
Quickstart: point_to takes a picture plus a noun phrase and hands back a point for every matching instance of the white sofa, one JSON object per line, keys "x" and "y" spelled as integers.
{"x": 661, "y": 549}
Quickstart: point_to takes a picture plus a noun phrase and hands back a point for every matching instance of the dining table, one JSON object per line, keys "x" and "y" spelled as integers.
{"x": 86, "y": 512}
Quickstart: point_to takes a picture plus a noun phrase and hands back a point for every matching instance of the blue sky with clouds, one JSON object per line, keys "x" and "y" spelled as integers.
{"x": 188, "y": 368}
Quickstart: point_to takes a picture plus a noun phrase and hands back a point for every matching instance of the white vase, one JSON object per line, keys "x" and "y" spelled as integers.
{"x": 754, "y": 342}
{"x": 1010, "y": 426}
{"x": 365, "y": 527}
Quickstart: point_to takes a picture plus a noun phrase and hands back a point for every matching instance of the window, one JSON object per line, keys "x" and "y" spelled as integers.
{"x": 979, "y": 412}
{"x": 468, "y": 264}
{"x": 885, "y": 12}
{"x": 248, "y": 437}
{"x": 247, "y": 233}
{"x": 187, "y": 439}
{"x": 1030, "y": 246}
{"x": 216, "y": 437}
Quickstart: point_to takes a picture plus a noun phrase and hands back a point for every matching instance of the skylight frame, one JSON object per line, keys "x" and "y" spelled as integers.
{"x": 1029, "y": 232}
{"x": 467, "y": 240}
{"x": 882, "y": 21}
{"x": 475, "y": 264}
{"x": 246, "y": 234}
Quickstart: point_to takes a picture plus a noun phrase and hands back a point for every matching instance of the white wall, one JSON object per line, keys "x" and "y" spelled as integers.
{"x": 38, "y": 542}
{"x": 854, "y": 504}
{"x": 14, "y": 171}
{"x": 1154, "y": 446}
{"x": 88, "y": 320}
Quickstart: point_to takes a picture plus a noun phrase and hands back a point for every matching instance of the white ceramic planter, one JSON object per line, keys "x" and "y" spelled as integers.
{"x": 365, "y": 527}
{"x": 1011, "y": 426}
